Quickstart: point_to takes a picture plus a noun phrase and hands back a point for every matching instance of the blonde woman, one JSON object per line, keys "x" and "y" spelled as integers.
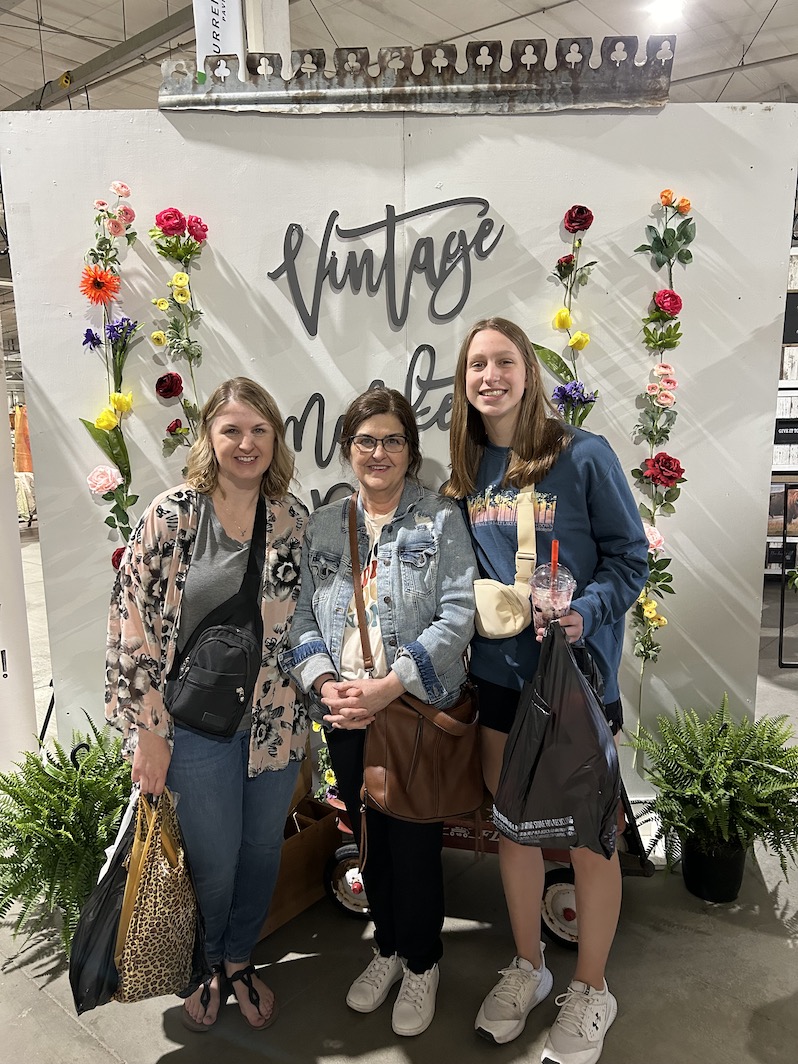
{"x": 505, "y": 435}
{"x": 187, "y": 555}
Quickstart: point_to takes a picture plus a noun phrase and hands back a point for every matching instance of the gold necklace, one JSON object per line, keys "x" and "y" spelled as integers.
{"x": 236, "y": 523}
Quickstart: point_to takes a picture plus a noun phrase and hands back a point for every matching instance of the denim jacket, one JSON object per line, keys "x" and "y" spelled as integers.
{"x": 425, "y": 579}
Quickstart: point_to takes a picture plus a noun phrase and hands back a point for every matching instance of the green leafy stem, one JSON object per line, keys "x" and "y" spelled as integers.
{"x": 672, "y": 244}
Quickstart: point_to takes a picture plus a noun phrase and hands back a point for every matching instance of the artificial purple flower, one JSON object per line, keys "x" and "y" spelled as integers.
{"x": 92, "y": 340}
{"x": 120, "y": 330}
{"x": 572, "y": 395}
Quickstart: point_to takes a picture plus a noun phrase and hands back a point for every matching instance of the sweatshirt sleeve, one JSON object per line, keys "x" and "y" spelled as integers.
{"x": 622, "y": 548}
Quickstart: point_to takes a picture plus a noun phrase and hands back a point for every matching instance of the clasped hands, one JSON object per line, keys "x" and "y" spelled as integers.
{"x": 354, "y": 704}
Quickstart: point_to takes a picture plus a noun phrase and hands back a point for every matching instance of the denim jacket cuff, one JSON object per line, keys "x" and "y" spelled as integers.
{"x": 306, "y": 662}
{"x": 414, "y": 668}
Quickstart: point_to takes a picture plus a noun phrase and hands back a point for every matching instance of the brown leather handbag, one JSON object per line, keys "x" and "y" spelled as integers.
{"x": 419, "y": 763}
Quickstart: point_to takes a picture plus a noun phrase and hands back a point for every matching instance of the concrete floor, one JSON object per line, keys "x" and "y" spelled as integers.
{"x": 695, "y": 982}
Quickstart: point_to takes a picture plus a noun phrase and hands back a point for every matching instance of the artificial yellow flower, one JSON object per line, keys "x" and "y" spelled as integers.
{"x": 649, "y": 612}
{"x": 161, "y": 304}
{"x": 661, "y": 621}
{"x": 562, "y": 319}
{"x": 651, "y": 603}
{"x": 316, "y": 726}
{"x": 181, "y": 295}
{"x": 180, "y": 280}
{"x": 122, "y": 403}
{"x": 579, "y": 341}
{"x": 329, "y": 778}
{"x": 158, "y": 338}
{"x": 642, "y": 596}
{"x": 106, "y": 420}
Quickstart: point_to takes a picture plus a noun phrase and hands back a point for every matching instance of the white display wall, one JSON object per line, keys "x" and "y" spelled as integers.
{"x": 250, "y": 176}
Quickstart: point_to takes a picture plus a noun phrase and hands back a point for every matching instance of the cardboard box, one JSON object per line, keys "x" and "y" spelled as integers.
{"x": 311, "y": 838}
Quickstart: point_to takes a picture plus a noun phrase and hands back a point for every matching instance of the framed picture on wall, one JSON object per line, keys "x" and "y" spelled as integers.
{"x": 788, "y": 373}
{"x": 776, "y": 509}
{"x": 791, "y": 319}
{"x": 773, "y": 557}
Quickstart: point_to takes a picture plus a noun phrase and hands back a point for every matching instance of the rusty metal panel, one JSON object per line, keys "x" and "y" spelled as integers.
{"x": 529, "y": 79}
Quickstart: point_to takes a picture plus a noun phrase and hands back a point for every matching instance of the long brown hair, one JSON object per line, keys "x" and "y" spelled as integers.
{"x": 203, "y": 469}
{"x": 382, "y": 401}
{"x": 540, "y": 433}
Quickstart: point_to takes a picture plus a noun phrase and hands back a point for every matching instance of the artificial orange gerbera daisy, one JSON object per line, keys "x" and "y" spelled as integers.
{"x": 99, "y": 285}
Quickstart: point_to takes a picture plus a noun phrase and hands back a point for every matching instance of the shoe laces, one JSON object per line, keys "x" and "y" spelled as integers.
{"x": 378, "y": 970}
{"x": 514, "y": 984}
{"x": 414, "y": 987}
{"x": 574, "y": 1005}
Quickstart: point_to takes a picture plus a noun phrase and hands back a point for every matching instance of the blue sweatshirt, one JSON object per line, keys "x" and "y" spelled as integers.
{"x": 586, "y": 503}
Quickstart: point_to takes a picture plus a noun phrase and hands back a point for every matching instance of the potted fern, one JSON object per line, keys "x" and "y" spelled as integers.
{"x": 58, "y": 813}
{"x": 722, "y": 785}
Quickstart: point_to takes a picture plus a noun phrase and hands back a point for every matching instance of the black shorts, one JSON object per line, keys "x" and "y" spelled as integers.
{"x": 497, "y": 707}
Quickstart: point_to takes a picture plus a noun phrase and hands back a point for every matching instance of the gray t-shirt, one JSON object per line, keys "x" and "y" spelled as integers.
{"x": 218, "y": 564}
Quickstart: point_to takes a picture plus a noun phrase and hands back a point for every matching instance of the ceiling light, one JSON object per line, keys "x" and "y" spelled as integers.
{"x": 665, "y": 9}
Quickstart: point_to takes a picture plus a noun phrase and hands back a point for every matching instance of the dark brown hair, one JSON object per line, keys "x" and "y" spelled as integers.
{"x": 540, "y": 432}
{"x": 382, "y": 401}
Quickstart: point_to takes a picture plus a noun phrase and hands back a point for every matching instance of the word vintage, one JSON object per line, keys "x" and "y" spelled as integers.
{"x": 445, "y": 268}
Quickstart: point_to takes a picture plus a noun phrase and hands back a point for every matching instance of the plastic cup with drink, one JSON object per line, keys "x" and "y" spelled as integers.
{"x": 551, "y": 589}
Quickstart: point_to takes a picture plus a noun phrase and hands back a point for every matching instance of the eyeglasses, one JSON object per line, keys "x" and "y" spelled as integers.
{"x": 368, "y": 444}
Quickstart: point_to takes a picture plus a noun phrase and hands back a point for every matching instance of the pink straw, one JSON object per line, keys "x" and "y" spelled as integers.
{"x": 555, "y": 554}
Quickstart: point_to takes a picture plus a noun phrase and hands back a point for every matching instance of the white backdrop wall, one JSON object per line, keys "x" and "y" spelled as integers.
{"x": 249, "y": 176}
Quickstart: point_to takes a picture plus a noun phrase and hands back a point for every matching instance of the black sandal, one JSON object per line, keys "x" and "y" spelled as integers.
{"x": 245, "y": 976}
{"x": 205, "y": 999}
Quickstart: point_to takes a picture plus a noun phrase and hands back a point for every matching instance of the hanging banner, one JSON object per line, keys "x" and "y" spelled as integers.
{"x": 17, "y": 706}
{"x": 219, "y": 26}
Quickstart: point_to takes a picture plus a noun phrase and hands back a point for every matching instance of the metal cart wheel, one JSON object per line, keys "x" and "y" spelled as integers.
{"x": 558, "y": 907}
{"x": 344, "y": 883}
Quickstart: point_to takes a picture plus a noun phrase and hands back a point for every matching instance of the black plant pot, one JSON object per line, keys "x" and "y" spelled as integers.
{"x": 713, "y": 873}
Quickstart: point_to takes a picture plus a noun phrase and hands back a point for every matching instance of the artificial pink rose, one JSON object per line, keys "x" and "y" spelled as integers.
{"x": 652, "y": 389}
{"x": 173, "y": 426}
{"x": 577, "y": 219}
{"x": 670, "y": 383}
{"x": 169, "y": 386}
{"x": 116, "y": 557}
{"x": 197, "y": 229}
{"x": 664, "y": 369}
{"x": 656, "y": 541}
{"x": 103, "y": 478}
{"x": 171, "y": 222}
{"x": 668, "y": 301}
{"x": 114, "y": 226}
{"x": 119, "y": 188}
{"x": 665, "y": 398}
{"x": 100, "y": 205}
{"x": 126, "y": 214}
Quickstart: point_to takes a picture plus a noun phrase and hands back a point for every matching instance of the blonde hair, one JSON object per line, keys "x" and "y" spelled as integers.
{"x": 540, "y": 432}
{"x": 203, "y": 469}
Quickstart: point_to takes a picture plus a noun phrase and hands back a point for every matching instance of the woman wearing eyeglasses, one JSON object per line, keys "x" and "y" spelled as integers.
{"x": 417, "y": 572}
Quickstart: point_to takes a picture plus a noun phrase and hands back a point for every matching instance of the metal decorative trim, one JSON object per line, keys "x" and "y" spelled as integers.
{"x": 429, "y": 80}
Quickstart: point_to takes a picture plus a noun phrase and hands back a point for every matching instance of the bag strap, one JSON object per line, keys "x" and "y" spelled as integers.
{"x": 439, "y": 717}
{"x": 368, "y": 657}
{"x": 247, "y": 596}
{"x": 526, "y": 556}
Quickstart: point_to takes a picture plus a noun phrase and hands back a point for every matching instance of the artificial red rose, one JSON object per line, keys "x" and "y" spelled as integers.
{"x": 663, "y": 470}
{"x": 578, "y": 219}
{"x": 170, "y": 386}
{"x": 116, "y": 557}
{"x": 197, "y": 229}
{"x": 666, "y": 299}
{"x": 171, "y": 222}
{"x": 173, "y": 426}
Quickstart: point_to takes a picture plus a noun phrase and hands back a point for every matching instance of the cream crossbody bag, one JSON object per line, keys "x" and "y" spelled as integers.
{"x": 504, "y": 609}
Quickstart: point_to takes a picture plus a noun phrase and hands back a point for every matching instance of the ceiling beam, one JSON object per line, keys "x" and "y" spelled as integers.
{"x": 740, "y": 68}
{"x": 113, "y": 59}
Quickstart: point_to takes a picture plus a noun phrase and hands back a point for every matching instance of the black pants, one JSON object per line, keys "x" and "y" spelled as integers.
{"x": 403, "y": 874}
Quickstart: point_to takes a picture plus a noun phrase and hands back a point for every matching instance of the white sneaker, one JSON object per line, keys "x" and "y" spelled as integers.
{"x": 577, "y": 1035}
{"x": 414, "y": 1007}
{"x": 371, "y": 988}
{"x": 503, "y": 1013}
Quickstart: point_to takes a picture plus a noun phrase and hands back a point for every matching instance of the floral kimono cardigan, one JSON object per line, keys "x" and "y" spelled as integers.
{"x": 144, "y": 621}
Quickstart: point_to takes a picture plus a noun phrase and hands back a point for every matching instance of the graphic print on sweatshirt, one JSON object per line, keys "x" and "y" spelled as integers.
{"x": 497, "y": 506}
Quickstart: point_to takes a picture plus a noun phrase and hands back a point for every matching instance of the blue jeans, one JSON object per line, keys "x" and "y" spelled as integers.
{"x": 233, "y": 833}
